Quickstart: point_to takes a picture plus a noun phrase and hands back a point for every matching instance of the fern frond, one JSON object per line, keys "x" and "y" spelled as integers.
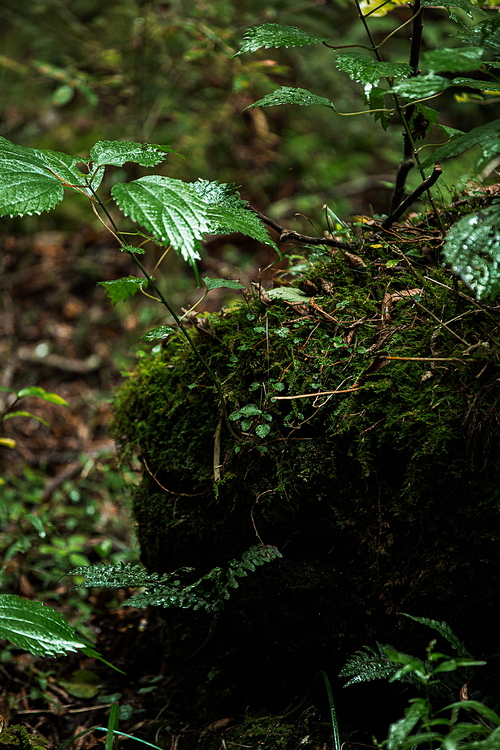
{"x": 368, "y": 665}
{"x": 122, "y": 576}
{"x": 208, "y": 592}
{"x": 444, "y": 630}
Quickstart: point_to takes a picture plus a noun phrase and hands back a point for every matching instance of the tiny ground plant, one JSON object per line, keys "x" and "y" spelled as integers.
{"x": 437, "y": 676}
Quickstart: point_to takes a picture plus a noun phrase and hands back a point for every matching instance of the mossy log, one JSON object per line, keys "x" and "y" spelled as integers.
{"x": 380, "y": 487}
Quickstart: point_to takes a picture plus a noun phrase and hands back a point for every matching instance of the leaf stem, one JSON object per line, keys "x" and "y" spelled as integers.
{"x": 116, "y": 233}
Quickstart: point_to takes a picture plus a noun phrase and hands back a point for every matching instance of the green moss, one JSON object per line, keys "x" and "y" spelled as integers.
{"x": 19, "y": 738}
{"x": 264, "y": 733}
{"x": 371, "y": 495}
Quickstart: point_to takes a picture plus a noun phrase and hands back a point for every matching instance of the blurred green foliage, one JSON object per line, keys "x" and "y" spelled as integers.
{"x": 75, "y": 73}
{"x": 72, "y": 74}
{"x": 43, "y": 537}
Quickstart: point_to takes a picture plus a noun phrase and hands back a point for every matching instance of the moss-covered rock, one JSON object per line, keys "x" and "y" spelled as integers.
{"x": 379, "y": 487}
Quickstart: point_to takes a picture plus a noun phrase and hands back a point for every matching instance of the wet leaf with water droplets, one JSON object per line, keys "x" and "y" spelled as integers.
{"x": 472, "y": 248}
{"x": 290, "y": 95}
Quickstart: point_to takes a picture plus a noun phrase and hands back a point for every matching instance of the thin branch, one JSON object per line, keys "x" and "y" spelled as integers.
{"x": 312, "y": 395}
{"x": 427, "y": 359}
{"x": 441, "y": 323}
{"x": 165, "y": 302}
{"x": 414, "y": 195}
{"x": 287, "y": 235}
{"x": 405, "y": 166}
{"x": 408, "y": 162}
{"x": 416, "y": 38}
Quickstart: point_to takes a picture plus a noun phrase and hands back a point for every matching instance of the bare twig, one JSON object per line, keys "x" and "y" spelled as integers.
{"x": 312, "y": 395}
{"x": 441, "y": 323}
{"x": 412, "y": 197}
{"x": 171, "y": 492}
{"x": 287, "y": 235}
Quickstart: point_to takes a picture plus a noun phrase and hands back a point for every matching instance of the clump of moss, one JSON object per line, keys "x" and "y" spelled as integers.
{"x": 380, "y": 392}
{"x": 18, "y": 737}
{"x": 263, "y": 733}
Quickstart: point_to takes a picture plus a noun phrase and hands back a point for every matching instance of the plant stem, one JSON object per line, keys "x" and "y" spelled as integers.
{"x": 116, "y": 233}
{"x": 410, "y": 149}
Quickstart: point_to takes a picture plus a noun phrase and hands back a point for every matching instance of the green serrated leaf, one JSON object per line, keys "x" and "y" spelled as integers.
{"x": 175, "y": 212}
{"x": 288, "y": 294}
{"x": 170, "y": 209}
{"x": 219, "y": 193}
{"x": 430, "y": 114}
{"x": 289, "y": 95}
{"x": 420, "y": 87}
{"x": 227, "y": 220}
{"x": 485, "y": 136}
{"x": 158, "y": 334}
{"x": 116, "y": 153}
{"x": 493, "y": 86}
{"x": 450, "y": 132}
{"x": 229, "y": 212}
{"x": 276, "y": 35}
{"x": 368, "y": 665}
{"x": 52, "y": 398}
{"x": 32, "y": 180}
{"x": 464, "y": 5}
{"x": 365, "y": 69}
{"x": 472, "y": 248}
{"x": 222, "y": 284}
{"x": 453, "y": 60}
{"x": 122, "y": 289}
{"x": 25, "y": 414}
{"x": 485, "y": 34}
{"x": 36, "y": 627}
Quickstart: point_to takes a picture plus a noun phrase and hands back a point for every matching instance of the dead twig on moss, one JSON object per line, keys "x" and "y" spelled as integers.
{"x": 413, "y": 196}
{"x": 288, "y": 235}
{"x": 171, "y": 492}
{"x": 441, "y": 323}
{"x": 313, "y": 395}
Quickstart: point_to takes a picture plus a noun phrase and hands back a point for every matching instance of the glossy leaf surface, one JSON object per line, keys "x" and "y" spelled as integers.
{"x": 121, "y": 289}
{"x": 175, "y": 212}
{"x": 36, "y": 627}
{"x": 116, "y": 153}
{"x": 472, "y": 248}
{"x": 289, "y": 95}
{"x": 485, "y": 136}
{"x": 365, "y": 69}
{"x": 276, "y": 35}
{"x": 33, "y": 180}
